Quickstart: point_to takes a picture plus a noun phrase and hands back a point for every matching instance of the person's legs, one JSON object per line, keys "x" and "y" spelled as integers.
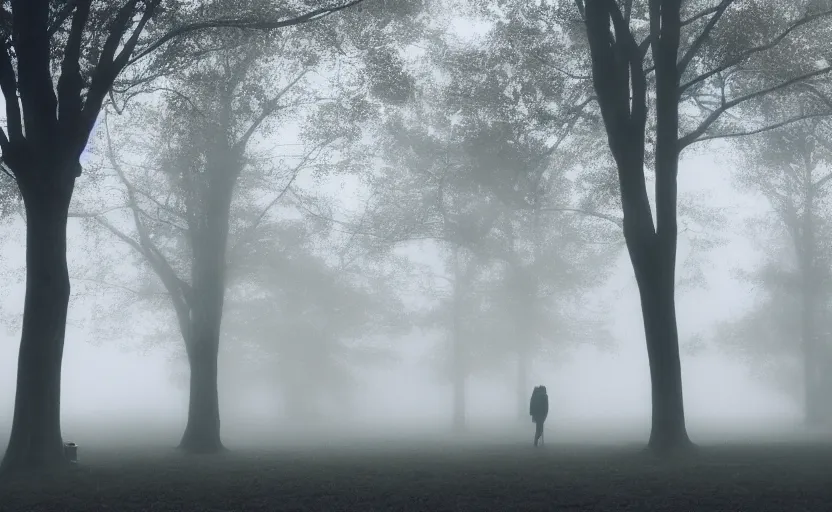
{"x": 538, "y": 431}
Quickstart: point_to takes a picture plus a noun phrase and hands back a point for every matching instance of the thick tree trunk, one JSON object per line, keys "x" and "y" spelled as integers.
{"x": 458, "y": 349}
{"x": 459, "y": 372}
{"x": 35, "y": 441}
{"x": 668, "y": 432}
{"x": 812, "y": 376}
{"x": 620, "y": 81}
{"x": 202, "y": 433}
{"x": 522, "y": 382}
{"x": 653, "y": 255}
{"x": 812, "y": 379}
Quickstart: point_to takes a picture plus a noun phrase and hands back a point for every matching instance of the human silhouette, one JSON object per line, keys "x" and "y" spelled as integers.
{"x": 539, "y": 410}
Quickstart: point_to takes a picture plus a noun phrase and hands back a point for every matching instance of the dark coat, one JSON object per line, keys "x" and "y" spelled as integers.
{"x": 539, "y": 404}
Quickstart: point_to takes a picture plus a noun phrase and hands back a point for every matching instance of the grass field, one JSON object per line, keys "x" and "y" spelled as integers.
{"x": 438, "y": 476}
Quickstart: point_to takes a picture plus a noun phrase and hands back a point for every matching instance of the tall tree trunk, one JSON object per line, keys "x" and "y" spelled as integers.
{"x": 656, "y": 289}
{"x": 522, "y": 382}
{"x": 459, "y": 374}
{"x": 459, "y": 402}
{"x": 656, "y": 269}
{"x": 35, "y": 441}
{"x": 202, "y": 433}
{"x": 460, "y": 367}
{"x": 812, "y": 380}
{"x": 812, "y": 370}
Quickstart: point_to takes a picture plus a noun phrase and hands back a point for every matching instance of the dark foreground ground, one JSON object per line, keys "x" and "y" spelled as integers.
{"x": 437, "y": 477}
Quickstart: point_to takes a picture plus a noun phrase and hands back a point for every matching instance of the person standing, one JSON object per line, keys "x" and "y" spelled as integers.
{"x": 539, "y": 410}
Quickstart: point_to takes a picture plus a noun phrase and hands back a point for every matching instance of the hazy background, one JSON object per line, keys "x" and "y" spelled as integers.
{"x": 119, "y": 382}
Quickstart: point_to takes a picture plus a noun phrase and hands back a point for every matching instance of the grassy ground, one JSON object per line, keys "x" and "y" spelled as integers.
{"x": 437, "y": 477}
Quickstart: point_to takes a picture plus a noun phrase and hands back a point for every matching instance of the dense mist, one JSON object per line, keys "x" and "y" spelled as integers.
{"x": 597, "y": 393}
{"x": 415, "y": 254}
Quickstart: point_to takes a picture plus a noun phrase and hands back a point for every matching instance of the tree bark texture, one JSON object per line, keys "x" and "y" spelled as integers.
{"x": 209, "y": 242}
{"x": 668, "y": 431}
{"x": 620, "y": 83}
{"x": 35, "y": 441}
{"x": 458, "y": 349}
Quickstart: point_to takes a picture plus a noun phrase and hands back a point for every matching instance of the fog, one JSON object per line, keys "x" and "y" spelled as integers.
{"x": 120, "y": 391}
{"x": 415, "y": 255}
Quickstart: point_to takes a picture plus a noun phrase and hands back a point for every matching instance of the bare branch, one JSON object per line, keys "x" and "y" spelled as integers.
{"x": 271, "y": 107}
{"x": 246, "y": 23}
{"x": 179, "y": 94}
{"x": 560, "y": 70}
{"x": 703, "y": 127}
{"x": 61, "y": 17}
{"x": 757, "y": 49}
{"x": 71, "y": 82}
{"x": 244, "y": 237}
{"x": 90, "y": 215}
{"x": 823, "y": 181}
{"x": 700, "y": 15}
{"x": 761, "y": 130}
{"x": 8, "y": 85}
{"x": 161, "y": 205}
{"x": 3, "y": 166}
{"x": 609, "y": 218}
{"x": 121, "y": 235}
{"x": 109, "y": 65}
{"x": 117, "y": 286}
{"x": 718, "y": 11}
{"x": 178, "y": 288}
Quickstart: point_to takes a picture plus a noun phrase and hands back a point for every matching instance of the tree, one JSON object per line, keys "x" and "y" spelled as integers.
{"x": 688, "y": 61}
{"x": 460, "y": 164}
{"x": 311, "y": 323}
{"x": 213, "y": 114}
{"x": 527, "y": 127}
{"x": 789, "y": 167}
{"x": 215, "y": 110}
{"x": 49, "y": 120}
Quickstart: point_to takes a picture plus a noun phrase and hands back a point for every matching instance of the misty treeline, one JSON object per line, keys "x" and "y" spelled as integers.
{"x": 200, "y": 144}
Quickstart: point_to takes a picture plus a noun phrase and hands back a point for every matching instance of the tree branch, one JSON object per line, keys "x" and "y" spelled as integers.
{"x": 271, "y": 107}
{"x": 718, "y": 11}
{"x": 700, "y": 15}
{"x": 609, "y": 218}
{"x": 33, "y": 48}
{"x": 123, "y": 236}
{"x": 245, "y": 23}
{"x": 823, "y": 181}
{"x": 61, "y": 17}
{"x": 763, "y": 129}
{"x": 177, "y": 287}
{"x": 108, "y": 284}
{"x": 92, "y": 215}
{"x": 8, "y": 85}
{"x": 703, "y": 127}
{"x": 756, "y": 49}
{"x": 71, "y": 82}
{"x": 254, "y": 225}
